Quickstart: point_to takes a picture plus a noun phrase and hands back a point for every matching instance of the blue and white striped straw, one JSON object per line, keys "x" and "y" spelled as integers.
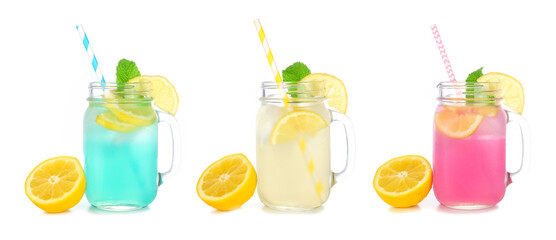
{"x": 91, "y": 54}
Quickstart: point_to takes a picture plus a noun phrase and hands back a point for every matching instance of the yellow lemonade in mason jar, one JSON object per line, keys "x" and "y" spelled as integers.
{"x": 293, "y": 146}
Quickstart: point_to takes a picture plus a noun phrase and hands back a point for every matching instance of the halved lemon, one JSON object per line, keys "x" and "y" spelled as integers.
{"x": 163, "y": 92}
{"x": 228, "y": 183}
{"x": 457, "y": 122}
{"x": 512, "y": 91}
{"x": 134, "y": 114}
{"x": 294, "y": 124}
{"x": 335, "y": 90}
{"x": 57, "y": 184}
{"x": 403, "y": 181}
{"x": 109, "y": 121}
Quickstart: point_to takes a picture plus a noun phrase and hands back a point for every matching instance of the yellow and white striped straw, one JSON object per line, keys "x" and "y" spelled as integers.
{"x": 271, "y": 62}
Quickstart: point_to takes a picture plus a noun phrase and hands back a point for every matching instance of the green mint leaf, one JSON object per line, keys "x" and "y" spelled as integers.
{"x": 126, "y": 70}
{"x": 475, "y": 75}
{"x": 295, "y": 72}
{"x": 472, "y": 78}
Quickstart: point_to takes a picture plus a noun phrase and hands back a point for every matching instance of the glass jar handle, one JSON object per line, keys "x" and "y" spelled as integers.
{"x": 164, "y": 117}
{"x": 350, "y": 145}
{"x": 525, "y": 147}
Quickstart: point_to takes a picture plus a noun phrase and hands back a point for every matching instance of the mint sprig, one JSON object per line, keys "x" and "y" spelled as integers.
{"x": 472, "y": 77}
{"x": 126, "y": 70}
{"x": 295, "y": 72}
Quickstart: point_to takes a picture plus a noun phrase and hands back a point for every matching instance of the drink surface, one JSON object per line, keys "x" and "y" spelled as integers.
{"x": 471, "y": 171}
{"x": 296, "y": 173}
{"x": 121, "y": 167}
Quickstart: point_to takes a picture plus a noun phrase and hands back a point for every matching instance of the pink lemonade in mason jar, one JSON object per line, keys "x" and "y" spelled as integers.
{"x": 469, "y": 149}
{"x": 470, "y": 168}
{"x": 469, "y": 146}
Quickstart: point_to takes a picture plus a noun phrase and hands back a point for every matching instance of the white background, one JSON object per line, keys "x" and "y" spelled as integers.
{"x": 210, "y": 51}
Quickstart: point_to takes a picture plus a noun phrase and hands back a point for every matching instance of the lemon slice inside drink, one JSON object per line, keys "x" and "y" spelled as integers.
{"x": 134, "y": 114}
{"x": 295, "y": 123}
{"x": 163, "y": 92}
{"x": 457, "y": 122}
{"x": 512, "y": 91}
{"x": 335, "y": 90}
{"x": 109, "y": 121}
{"x": 462, "y": 121}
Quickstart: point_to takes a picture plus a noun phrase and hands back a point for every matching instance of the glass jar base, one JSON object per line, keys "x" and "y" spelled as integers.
{"x": 468, "y": 207}
{"x": 291, "y": 209}
{"x": 118, "y": 208}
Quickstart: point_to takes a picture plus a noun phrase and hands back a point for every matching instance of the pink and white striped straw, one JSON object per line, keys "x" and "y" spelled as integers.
{"x": 443, "y": 54}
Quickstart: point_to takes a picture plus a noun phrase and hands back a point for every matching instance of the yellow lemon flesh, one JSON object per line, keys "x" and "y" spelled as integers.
{"x": 57, "y": 184}
{"x": 462, "y": 121}
{"x": 511, "y": 89}
{"x": 335, "y": 90}
{"x": 163, "y": 92}
{"x": 294, "y": 124}
{"x": 126, "y": 117}
{"x": 403, "y": 181}
{"x": 228, "y": 183}
{"x": 109, "y": 121}
{"x": 134, "y": 114}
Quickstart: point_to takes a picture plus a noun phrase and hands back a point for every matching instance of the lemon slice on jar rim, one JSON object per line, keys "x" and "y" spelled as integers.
{"x": 335, "y": 90}
{"x": 163, "y": 92}
{"x": 511, "y": 89}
